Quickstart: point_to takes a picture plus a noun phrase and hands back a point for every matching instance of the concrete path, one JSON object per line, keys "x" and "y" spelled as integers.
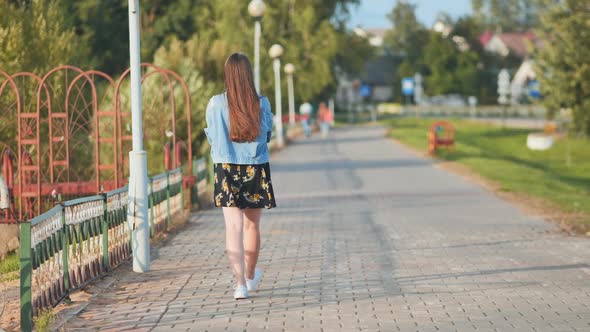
{"x": 367, "y": 237}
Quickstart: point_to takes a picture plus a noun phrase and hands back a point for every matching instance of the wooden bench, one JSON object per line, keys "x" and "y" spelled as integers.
{"x": 441, "y": 134}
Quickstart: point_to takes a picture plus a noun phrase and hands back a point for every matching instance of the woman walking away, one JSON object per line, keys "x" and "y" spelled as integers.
{"x": 239, "y": 123}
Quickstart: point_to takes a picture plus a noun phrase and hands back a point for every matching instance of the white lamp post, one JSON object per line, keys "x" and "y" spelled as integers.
{"x": 289, "y": 70}
{"x": 137, "y": 211}
{"x": 256, "y": 9}
{"x": 275, "y": 53}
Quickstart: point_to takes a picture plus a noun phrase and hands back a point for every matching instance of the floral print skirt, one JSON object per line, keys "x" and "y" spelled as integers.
{"x": 243, "y": 186}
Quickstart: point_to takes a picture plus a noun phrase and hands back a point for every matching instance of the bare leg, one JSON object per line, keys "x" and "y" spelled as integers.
{"x": 234, "y": 243}
{"x": 251, "y": 239}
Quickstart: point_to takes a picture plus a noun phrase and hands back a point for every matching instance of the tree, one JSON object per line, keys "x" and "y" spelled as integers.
{"x": 407, "y": 36}
{"x": 508, "y": 15}
{"x": 563, "y": 63}
{"x": 310, "y": 42}
{"x": 104, "y": 28}
{"x": 176, "y": 33}
{"x": 103, "y": 25}
{"x": 406, "y": 39}
{"x": 353, "y": 62}
{"x": 35, "y": 37}
{"x": 449, "y": 70}
{"x": 304, "y": 28}
{"x": 178, "y": 56}
{"x": 488, "y": 64}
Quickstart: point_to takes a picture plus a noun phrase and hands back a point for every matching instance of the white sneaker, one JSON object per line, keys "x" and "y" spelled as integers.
{"x": 240, "y": 292}
{"x": 253, "y": 284}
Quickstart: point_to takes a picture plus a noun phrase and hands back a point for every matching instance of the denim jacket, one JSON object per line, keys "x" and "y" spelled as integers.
{"x": 223, "y": 150}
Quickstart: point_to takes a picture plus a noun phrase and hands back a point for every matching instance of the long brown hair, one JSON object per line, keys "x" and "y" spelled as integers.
{"x": 242, "y": 99}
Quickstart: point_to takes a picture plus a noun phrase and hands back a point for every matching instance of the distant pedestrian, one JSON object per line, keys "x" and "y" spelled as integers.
{"x": 239, "y": 123}
{"x": 305, "y": 115}
{"x": 325, "y": 118}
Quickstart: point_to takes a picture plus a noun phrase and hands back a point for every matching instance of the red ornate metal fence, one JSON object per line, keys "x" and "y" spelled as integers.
{"x": 66, "y": 132}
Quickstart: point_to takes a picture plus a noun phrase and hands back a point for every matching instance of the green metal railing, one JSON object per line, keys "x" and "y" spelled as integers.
{"x": 71, "y": 245}
{"x": 201, "y": 173}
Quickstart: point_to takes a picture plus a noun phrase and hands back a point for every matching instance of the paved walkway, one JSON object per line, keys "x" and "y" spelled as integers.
{"x": 367, "y": 237}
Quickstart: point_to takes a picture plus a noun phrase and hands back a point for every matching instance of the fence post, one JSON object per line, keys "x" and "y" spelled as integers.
{"x": 66, "y": 250}
{"x": 167, "y": 200}
{"x": 26, "y": 270}
{"x": 181, "y": 192}
{"x": 105, "y": 234}
{"x": 151, "y": 203}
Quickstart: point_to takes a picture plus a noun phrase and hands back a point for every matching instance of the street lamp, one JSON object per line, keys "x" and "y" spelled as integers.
{"x": 275, "y": 53}
{"x": 256, "y": 9}
{"x": 289, "y": 70}
{"x": 137, "y": 211}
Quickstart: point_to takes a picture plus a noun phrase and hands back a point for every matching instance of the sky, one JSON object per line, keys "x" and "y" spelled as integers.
{"x": 372, "y": 13}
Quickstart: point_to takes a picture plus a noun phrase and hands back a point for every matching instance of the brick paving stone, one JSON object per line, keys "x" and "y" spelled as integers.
{"x": 367, "y": 237}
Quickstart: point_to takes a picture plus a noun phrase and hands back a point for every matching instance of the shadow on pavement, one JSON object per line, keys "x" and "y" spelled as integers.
{"x": 347, "y": 165}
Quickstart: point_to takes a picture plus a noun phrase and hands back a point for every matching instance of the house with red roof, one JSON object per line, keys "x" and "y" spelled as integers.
{"x": 504, "y": 44}
{"x": 518, "y": 45}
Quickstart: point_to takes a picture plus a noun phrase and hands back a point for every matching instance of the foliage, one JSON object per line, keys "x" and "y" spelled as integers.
{"x": 501, "y": 155}
{"x": 104, "y": 29}
{"x": 446, "y": 67}
{"x": 10, "y": 263}
{"x": 408, "y": 36}
{"x": 508, "y": 15}
{"x": 488, "y": 65}
{"x": 563, "y": 64}
{"x": 305, "y": 28}
{"x": 454, "y": 61}
{"x": 353, "y": 61}
{"x": 312, "y": 47}
{"x": 191, "y": 37}
{"x": 178, "y": 57}
{"x": 407, "y": 39}
{"x": 36, "y": 38}
{"x": 310, "y": 41}
{"x": 103, "y": 25}
{"x": 44, "y": 319}
{"x": 449, "y": 70}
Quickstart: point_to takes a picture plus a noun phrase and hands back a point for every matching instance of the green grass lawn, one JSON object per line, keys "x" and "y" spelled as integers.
{"x": 8, "y": 267}
{"x": 501, "y": 155}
